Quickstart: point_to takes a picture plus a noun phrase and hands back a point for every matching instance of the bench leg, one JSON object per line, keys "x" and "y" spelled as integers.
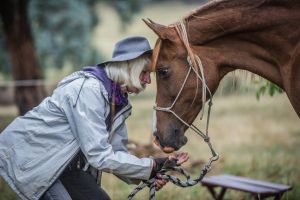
{"x": 277, "y": 197}
{"x": 221, "y": 194}
{"x": 216, "y": 196}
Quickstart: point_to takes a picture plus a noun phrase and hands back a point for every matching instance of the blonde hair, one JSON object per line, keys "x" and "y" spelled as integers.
{"x": 128, "y": 72}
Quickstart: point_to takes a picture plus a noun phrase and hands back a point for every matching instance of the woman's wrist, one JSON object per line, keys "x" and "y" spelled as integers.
{"x": 153, "y": 164}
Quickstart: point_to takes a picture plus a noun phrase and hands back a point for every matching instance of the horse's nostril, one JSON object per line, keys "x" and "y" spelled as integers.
{"x": 184, "y": 140}
{"x": 176, "y": 131}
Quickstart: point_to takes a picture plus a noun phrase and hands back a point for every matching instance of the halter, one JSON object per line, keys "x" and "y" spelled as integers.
{"x": 193, "y": 60}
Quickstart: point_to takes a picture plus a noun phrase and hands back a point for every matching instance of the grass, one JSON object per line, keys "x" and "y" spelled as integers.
{"x": 255, "y": 139}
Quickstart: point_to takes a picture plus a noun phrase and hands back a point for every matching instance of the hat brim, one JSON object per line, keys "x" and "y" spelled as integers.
{"x": 124, "y": 57}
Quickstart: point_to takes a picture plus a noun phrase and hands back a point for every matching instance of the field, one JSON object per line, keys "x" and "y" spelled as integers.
{"x": 255, "y": 139}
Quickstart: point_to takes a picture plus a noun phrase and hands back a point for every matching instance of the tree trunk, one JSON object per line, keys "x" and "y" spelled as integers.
{"x": 21, "y": 48}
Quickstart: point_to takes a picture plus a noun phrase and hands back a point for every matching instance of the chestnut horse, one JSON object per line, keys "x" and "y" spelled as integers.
{"x": 191, "y": 57}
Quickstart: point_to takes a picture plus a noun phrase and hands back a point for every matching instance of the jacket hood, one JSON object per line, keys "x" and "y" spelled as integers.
{"x": 75, "y": 75}
{"x": 79, "y": 75}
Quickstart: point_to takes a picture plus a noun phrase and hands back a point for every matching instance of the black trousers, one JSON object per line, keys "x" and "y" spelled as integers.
{"x": 78, "y": 184}
{"x": 75, "y": 184}
{"x": 82, "y": 186}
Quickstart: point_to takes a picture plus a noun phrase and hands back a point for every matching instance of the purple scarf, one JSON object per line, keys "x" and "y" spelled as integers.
{"x": 113, "y": 89}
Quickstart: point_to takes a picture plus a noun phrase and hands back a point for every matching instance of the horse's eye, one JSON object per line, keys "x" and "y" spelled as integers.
{"x": 163, "y": 72}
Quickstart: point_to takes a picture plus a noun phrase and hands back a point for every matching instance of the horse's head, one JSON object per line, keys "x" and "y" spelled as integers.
{"x": 179, "y": 88}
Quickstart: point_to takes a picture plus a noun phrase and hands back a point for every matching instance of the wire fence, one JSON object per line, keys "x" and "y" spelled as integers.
{"x": 24, "y": 83}
{"x": 7, "y": 88}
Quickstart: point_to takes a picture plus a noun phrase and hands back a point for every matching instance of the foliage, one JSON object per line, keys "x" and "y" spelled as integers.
{"x": 267, "y": 87}
{"x": 125, "y": 9}
{"x": 62, "y": 30}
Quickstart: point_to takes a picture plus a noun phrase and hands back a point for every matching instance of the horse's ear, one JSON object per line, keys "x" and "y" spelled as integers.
{"x": 160, "y": 30}
{"x": 157, "y": 28}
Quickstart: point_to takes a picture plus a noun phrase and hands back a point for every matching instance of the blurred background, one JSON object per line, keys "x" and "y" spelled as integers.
{"x": 253, "y": 126}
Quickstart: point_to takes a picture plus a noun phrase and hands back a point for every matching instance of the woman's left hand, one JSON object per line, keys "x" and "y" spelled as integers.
{"x": 159, "y": 183}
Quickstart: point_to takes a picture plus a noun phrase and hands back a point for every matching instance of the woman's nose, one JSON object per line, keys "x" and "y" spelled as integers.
{"x": 146, "y": 78}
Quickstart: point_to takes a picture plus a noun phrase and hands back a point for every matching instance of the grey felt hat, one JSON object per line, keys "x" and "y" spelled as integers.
{"x": 129, "y": 48}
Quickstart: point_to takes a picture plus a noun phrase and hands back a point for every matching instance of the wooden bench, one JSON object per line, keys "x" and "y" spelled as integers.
{"x": 259, "y": 189}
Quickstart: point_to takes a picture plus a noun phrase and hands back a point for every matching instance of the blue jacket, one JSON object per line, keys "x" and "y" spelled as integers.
{"x": 37, "y": 147}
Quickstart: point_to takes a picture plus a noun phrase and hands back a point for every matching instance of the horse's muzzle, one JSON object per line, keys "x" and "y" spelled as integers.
{"x": 170, "y": 144}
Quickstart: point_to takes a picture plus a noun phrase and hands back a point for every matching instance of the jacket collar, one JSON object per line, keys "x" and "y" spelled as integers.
{"x": 100, "y": 73}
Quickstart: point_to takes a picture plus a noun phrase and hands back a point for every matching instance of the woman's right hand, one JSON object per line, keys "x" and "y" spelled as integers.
{"x": 159, "y": 162}
{"x": 180, "y": 158}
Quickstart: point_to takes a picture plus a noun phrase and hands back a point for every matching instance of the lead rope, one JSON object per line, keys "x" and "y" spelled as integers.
{"x": 175, "y": 180}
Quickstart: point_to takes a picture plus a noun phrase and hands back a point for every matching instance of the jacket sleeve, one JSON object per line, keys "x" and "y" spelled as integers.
{"x": 85, "y": 112}
{"x": 119, "y": 143}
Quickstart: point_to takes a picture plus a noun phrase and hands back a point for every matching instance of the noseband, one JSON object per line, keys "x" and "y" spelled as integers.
{"x": 192, "y": 60}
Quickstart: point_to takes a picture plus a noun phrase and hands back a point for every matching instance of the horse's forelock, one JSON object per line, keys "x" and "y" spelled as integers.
{"x": 155, "y": 54}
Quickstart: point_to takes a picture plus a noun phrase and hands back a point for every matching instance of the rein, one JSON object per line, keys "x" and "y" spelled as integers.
{"x": 193, "y": 60}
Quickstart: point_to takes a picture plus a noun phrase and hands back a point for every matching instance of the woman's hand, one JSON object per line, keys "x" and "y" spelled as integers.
{"x": 180, "y": 158}
{"x": 159, "y": 183}
{"x": 170, "y": 161}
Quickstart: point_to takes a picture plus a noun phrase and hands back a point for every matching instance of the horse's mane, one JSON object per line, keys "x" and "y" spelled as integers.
{"x": 224, "y": 17}
{"x": 223, "y": 4}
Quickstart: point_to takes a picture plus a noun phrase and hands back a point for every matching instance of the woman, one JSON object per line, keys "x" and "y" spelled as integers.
{"x": 55, "y": 150}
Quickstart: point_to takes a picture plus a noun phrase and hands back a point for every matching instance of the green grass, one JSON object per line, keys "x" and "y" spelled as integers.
{"x": 255, "y": 139}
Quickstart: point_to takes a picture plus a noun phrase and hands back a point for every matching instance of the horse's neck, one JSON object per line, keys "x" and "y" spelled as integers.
{"x": 263, "y": 38}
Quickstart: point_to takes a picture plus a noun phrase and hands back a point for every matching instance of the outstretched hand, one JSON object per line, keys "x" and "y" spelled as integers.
{"x": 180, "y": 158}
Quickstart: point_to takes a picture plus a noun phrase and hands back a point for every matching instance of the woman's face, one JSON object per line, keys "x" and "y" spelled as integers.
{"x": 144, "y": 79}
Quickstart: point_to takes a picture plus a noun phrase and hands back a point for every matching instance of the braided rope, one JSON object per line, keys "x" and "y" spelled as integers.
{"x": 173, "y": 179}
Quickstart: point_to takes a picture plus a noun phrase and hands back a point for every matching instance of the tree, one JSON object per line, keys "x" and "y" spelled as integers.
{"x": 19, "y": 42}
{"x": 59, "y": 30}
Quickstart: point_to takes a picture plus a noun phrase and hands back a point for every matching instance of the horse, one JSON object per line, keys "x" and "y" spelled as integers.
{"x": 259, "y": 36}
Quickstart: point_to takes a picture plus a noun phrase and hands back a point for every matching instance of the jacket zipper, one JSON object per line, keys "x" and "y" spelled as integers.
{"x": 121, "y": 112}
